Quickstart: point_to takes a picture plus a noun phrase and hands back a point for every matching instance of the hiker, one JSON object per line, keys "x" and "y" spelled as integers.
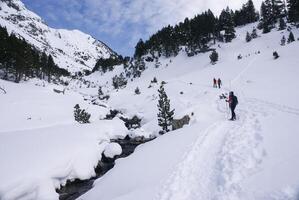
{"x": 219, "y": 83}
{"x": 233, "y": 102}
{"x": 214, "y": 83}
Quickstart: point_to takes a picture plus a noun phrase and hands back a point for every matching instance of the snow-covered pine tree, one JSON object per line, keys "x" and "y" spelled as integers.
{"x": 278, "y": 9}
{"x": 228, "y": 24}
{"x": 254, "y": 33}
{"x": 293, "y": 10}
{"x": 267, "y": 16}
{"x": 154, "y": 80}
{"x": 80, "y": 115}
{"x": 140, "y": 49}
{"x": 282, "y": 24}
{"x": 248, "y": 37}
{"x": 165, "y": 114}
{"x": 100, "y": 92}
{"x": 283, "y": 41}
{"x": 291, "y": 37}
{"x": 214, "y": 57}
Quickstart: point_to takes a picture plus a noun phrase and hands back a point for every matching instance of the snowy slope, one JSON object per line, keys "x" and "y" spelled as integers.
{"x": 71, "y": 49}
{"x": 255, "y": 157}
{"x": 41, "y": 146}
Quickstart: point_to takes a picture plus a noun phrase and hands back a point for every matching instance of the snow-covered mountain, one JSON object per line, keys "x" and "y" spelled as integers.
{"x": 71, "y": 49}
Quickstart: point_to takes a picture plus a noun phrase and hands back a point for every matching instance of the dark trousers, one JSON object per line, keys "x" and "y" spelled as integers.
{"x": 232, "y": 108}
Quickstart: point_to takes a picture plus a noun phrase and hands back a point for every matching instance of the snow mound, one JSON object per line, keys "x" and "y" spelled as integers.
{"x": 112, "y": 149}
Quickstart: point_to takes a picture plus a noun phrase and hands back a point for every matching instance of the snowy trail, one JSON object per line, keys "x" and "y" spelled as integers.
{"x": 221, "y": 157}
{"x": 189, "y": 178}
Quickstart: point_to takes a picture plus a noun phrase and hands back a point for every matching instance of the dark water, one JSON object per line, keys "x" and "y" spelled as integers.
{"x": 74, "y": 189}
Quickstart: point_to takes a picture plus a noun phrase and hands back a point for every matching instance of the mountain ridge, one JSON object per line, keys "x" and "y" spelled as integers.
{"x": 73, "y": 50}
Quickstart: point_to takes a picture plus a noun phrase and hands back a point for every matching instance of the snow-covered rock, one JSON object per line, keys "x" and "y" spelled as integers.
{"x": 112, "y": 149}
{"x": 71, "y": 49}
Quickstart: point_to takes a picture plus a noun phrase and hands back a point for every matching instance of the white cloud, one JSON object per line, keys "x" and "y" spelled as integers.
{"x": 115, "y": 15}
{"x": 134, "y": 18}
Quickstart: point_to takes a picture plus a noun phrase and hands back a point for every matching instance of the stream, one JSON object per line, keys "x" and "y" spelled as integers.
{"x": 73, "y": 189}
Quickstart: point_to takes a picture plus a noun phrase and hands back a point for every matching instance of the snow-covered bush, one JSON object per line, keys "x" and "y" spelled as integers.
{"x": 119, "y": 81}
{"x": 275, "y": 55}
{"x": 154, "y": 80}
{"x": 112, "y": 114}
{"x": 291, "y": 37}
{"x": 100, "y": 92}
{"x": 137, "y": 91}
{"x": 134, "y": 122}
{"x": 254, "y": 33}
{"x": 248, "y": 37}
{"x": 81, "y": 115}
{"x": 283, "y": 41}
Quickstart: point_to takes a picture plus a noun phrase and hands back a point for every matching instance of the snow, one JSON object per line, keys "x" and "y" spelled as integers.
{"x": 112, "y": 149}
{"x": 255, "y": 157}
{"x": 41, "y": 146}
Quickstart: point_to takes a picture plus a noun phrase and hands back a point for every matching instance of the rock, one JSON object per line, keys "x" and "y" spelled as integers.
{"x": 179, "y": 123}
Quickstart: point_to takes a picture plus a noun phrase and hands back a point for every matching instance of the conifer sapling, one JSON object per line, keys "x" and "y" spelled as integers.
{"x": 291, "y": 38}
{"x": 165, "y": 115}
{"x": 214, "y": 57}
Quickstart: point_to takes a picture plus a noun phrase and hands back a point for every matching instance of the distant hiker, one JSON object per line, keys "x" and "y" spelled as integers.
{"x": 233, "y": 102}
{"x": 214, "y": 83}
{"x": 219, "y": 83}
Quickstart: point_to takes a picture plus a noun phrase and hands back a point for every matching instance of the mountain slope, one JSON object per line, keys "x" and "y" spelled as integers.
{"x": 255, "y": 157}
{"x": 72, "y": 49}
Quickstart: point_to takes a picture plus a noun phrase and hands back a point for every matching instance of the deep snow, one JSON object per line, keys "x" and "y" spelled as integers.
{"x": 254, "y": 157}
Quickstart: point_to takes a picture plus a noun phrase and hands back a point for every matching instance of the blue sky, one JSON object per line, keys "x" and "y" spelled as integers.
{"x": 121, "y": 23}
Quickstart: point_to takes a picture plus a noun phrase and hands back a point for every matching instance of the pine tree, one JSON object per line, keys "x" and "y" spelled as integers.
{"x": 248, "y": 37}
{"x": 275, "y": 55}
{"x": 214, "y": 57}
{"x": 227, "y": 23}
{"x": 250, "y": 12}
{"x": 165, "y": 115}
{"x": 100, "y": 92}
{"x": 267, "y": 16}
{"x": 254, "y": 33}
{"x": 293, "y": 10}
{"x": 283, "y": 41}
{"x": 140, "y": 49}
{"x": 282, "y": 24}
{"x": 291, "y": 37}
{"x": 50, "y": 67}
{"x": 80, "y": 115}
{"x": 278, "y": 9}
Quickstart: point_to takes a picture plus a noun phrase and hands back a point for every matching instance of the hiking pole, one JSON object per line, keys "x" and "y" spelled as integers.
{"x": 226, "y": 109}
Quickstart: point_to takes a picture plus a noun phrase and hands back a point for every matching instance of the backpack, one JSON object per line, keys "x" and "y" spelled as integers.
{"x": 235, "y": 100}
